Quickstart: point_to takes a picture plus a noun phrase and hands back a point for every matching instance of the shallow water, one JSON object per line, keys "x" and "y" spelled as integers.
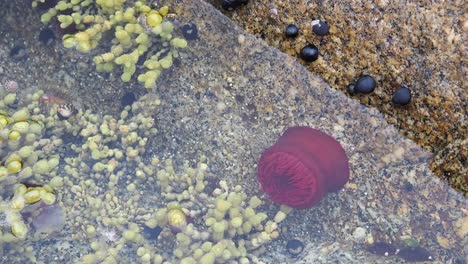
{"x": 229, "y": 98}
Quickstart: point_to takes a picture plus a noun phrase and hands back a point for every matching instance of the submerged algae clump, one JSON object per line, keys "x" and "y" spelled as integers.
{"x": 220, "y": 227}
{"x": 113, "y": 188}
{"x": 22, "y": 159}
{"x": 21, "y": 203}
{"x": 197, "y": 227}
{"x": 139, "y": 32}
{"x": 21, "y": 143}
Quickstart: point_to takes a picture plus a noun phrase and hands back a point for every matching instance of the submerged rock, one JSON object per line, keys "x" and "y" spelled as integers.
{"x": 51, "y": 219}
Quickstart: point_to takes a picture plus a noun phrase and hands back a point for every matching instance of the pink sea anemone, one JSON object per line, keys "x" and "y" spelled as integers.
{"x": 302, "y": 167}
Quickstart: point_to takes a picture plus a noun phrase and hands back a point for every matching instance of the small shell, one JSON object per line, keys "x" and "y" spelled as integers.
{"x": 176, "y": 218}
{"x": 11, "y": 86}
{"x": 65, "y": 111}
{"x": 295, "y": 247}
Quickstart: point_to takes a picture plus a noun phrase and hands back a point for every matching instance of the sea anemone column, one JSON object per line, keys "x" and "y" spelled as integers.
{"x": 302, "y": 167}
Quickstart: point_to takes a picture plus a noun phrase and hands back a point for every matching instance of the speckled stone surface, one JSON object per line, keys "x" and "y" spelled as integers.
{"x": 415, "y": 43}
{"x": 229, "y": 98}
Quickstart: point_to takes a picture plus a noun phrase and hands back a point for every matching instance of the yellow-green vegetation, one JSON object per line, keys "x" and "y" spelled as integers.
{"x": 124, "y": 192}
{"x": 22, "y": 158}
{"x": 227, "y": 226}
{"x": 115, "y": 192}
{"x": 23, "y": 197}
{"x": 197, "y": 227}
{"x": 140, "y": 33}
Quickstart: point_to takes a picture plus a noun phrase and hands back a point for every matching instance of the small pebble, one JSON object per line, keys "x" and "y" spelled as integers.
{"x": 402, "y": 96}
{"x": 190, "y": 31}
{"x": 310, "y": 53}
{"x": 231, "y": 4}
{"x": 359, "y": 234}
{"x": 365, "y": 84}
{"x": 320, "y": 27}
{"x": 408, "y": 186}
{"x": 18, "y": 52}
{"x": 127, "y": 99}
{"x": 46, "y": 36}
{"x": 415, "y": 254}
{"x": 50, "y": 219}
{"x": 291, "y": 31}
{"x": 351, "y": 89}
{"x": 46, "y": 5}
{"x": 151, "y": 233}
{"x": 382, "y": 248}
{"x": 294, "y": 247}
{"x": 241, "y": 39}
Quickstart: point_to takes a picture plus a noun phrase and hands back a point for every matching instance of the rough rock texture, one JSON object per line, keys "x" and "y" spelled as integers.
{"x": 229, "y": 98}
{"x": 419, "y": 44}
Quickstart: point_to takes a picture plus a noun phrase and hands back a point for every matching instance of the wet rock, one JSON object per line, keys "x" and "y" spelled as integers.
{"x": 50, "y": 219}
{"x": 18, "y": 52}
